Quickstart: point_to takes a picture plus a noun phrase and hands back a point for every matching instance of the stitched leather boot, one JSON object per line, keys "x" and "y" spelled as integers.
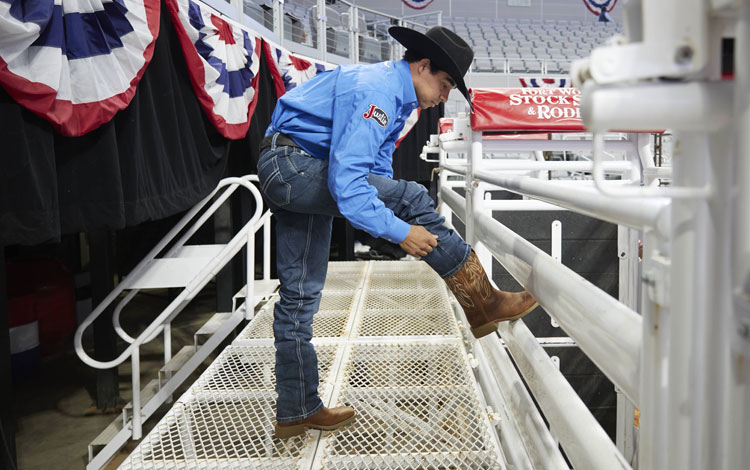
{"x": 327, "y": 419}
{"x": 483, "y": 305}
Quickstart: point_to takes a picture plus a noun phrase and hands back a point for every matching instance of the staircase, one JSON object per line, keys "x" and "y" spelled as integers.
{"x": 174, "y": 263}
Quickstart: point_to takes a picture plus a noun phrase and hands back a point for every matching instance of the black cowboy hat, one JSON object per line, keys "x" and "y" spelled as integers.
{"x": 443, "y": 47}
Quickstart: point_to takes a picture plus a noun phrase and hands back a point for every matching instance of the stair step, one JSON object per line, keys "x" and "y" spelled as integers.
{"x": 147, "y": 392}
{"x": 210, "y": 327}
{"x": 263, "y": 288}
{"x": 105, "y": 436}
{"x": 175, "y": 364}
{"x": 109, "y": 432}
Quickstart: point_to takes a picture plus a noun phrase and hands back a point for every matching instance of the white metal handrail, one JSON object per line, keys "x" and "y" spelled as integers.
{"x": 232, "y": 247}
{"x": 244, "y": 237}
{"x": 218, "y": 201}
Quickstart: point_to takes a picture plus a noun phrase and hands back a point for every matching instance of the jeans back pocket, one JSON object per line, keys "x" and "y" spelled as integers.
{"x": 272, "y": 184}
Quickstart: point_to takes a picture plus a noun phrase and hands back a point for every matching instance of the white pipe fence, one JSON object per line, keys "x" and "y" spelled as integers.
{"x": 683, "y": 361}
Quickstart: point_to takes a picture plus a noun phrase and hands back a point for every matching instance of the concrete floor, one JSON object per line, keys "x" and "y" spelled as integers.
{"x": 55, "y": 417}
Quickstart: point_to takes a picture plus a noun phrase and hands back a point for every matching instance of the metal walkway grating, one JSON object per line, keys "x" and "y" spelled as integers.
{"x": 388, "y": 344}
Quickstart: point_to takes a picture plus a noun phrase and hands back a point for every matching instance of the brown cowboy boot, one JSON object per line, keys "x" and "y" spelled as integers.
{"x": 327, "y": 419}
{"x": 483, "y": 305}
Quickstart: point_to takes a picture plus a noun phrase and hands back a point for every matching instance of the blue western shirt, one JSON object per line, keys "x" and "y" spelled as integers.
{"x": 352, "y": 116}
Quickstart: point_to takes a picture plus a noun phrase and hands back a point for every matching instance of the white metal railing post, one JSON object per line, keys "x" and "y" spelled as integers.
{"x": 168, "y": 352}
{"x": 238, "y": 7}
{"x": 278, "y": 19}
{"x": 137, "y": 430}
{"x": 353, "y": 28}
{"x": 479, "y": 206}
{"x": 716, "y": 315}
{"x": 250, "y": 296}
{"x": 555, "y": 252}
{"x": 322, "y": 48}
{"x": 737, "y": 400}
{"x": 694, "y": 238}
{"x": 627, "y": 253}
{"x": 473, "y": 160}
{"x": 655, "y": 311}
{"x": 356, "y": 45}
{"x": 443, "y": 208}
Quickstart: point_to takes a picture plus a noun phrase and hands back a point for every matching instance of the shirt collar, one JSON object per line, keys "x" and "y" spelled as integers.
{"x": 409, "y": 96}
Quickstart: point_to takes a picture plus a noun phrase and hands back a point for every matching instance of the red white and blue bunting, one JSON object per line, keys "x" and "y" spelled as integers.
{"x": 75, "y": 63}
{"x": 411, "y": 121}
{"x": 545, "y": 82}
{"x": 223, "y": 60}
{"x": 417, "y": 4}
{"x": 601, "y": 9}
{"x": 290, "y": 70}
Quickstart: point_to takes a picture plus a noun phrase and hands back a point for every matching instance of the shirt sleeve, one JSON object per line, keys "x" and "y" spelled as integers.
{"x": 361, "y": 124}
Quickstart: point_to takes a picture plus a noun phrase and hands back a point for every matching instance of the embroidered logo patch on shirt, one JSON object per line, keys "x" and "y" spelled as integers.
{"x": 377, "y": 114}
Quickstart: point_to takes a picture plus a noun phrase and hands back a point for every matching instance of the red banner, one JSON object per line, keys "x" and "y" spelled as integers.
{"x": 526, "y": 109}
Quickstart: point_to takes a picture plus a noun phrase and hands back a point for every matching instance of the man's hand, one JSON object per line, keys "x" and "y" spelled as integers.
{"x": 419, "y": 241}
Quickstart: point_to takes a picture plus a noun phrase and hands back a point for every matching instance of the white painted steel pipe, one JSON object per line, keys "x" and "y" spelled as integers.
{"x": 586, "y": 444}
{"x": 635, "y": 212}
{"x": 455, "y": 202}
{"x": 686, "y": 192}
{"x": 516, "y": 453}
{"x": 656, "y": 315}
{"x": 471, "y": 201}
{"x": 520, "y": 205}
{"x": 539, "y": 443}
{"x": 533, "y": 165}
{"x": 605, "y": 329}
{"x": 458, "y": 169}
{"x": 693, "y": 106}
{"x": 136, "y": 400}
{"x": 656, "y": 172}
{"x": 737, "y": 400}
{"x": 535, "y": 145}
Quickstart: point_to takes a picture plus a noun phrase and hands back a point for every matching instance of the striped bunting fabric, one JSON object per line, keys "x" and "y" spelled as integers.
{"x": 223, "y": 60}
{"x": 290, "y": 70}
{"x": 75, "y": 63}
{"x": 545, "y": 82}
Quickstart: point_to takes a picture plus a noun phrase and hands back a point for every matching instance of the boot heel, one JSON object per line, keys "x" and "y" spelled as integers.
{"x": 285, "y": 432}
{"x": 484, "y": 330}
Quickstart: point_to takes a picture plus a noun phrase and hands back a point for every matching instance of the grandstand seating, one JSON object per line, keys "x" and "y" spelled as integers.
{"x": 509, "y": 45}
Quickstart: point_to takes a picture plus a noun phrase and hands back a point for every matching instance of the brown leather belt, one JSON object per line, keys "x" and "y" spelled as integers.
{"x": 282, "y": 139}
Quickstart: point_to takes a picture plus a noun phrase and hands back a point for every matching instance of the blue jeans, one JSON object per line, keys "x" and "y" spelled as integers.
{"x": 295, "y": 187}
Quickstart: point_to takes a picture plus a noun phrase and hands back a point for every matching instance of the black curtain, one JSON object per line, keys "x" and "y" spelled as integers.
{"x": 157, "y": 157}
{"x": 406, "y": 162}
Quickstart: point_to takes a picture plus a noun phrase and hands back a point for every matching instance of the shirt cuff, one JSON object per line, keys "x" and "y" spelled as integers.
{"x": 398, "y": 231}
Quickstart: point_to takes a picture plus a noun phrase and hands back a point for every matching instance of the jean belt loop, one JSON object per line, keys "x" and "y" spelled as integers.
{"x": 273, "y": 140}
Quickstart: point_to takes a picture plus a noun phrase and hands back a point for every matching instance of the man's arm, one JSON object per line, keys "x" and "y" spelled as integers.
{"x": 360, "y": 126}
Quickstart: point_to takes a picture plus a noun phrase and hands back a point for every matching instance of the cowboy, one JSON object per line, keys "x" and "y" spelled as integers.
{"x": 327, "y": 153}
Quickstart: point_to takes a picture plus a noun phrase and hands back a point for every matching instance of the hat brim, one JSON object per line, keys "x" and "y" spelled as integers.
{"x": 418, "y": 42}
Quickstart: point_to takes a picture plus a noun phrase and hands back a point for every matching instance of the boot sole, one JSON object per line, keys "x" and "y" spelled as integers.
{"x": 285, "y": 432}
{"x": 491, "y": 327}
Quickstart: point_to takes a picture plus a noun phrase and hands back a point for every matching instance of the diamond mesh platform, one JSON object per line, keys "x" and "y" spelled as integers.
{"x": 388, "y": 344}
